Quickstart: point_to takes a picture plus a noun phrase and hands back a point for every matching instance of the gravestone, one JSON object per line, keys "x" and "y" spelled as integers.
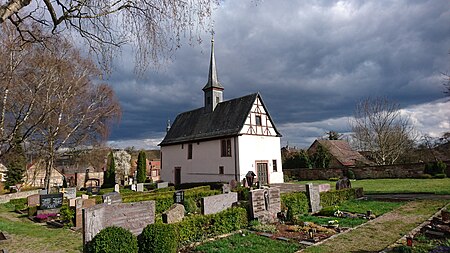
{"x": 73, "y": 202}
{"x": 133, "y": 187}
{"x": 79, "y": 206}
{"x": 112, "y": 198}
{"x": 233, "y": 184}
{"x": 174, "y": 214}
{"x": 116, "y": 188}
{"x": 218, "y": 203}
{"x": 33, "y": 200}
{"x": 313, "y": 197}
{"x": 162, "y": 185}
{"x": 43, "y": 192}
{"x": 94, "y": 190}
{"x": 131, "y": 216}
{"x": 343, "y": 183}
{"x": 324, "y": 187}
{"x": 226, "y": 188}
{"x": 140, "y": 187}
{"x": 70, "y": 193}
{"x": 50, "y": 201}
{"x": 265, "y": 204}
{"x": 178, "y": 197}
{"x": 84, "y": 196}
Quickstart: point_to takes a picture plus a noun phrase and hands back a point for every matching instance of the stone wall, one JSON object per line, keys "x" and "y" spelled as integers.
{"x": 17, "y": 195}
{"x": 131, "y": 216}
{"x": 412, "y": 170}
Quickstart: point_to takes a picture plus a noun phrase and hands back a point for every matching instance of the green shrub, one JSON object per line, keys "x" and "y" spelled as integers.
{"x": 296, "y": 204}
{"x": 67, "y": 215}
{"x": 113, "y": 239}
{"x": 350, "y": 174}
{"x": 328, "y": 211}
{"x": 332, "y": 198}
{"x": 191, "y": 205}
{"x": 402, "y": 249}
{"x": 425, "y": 176}
{"x": 243, "y": 193}
{"x": 158, "y": 238}
{"x": 435, "y": 168}
{"x": 19, "y": 204}
{"x": 440, "y": 175}
{"x": 32, "y": 211}
{"x": 199, "y": 227}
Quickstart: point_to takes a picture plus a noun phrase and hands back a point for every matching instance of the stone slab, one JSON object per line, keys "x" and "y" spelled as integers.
{"x": 265, "y": 204}
{"x": 116, "y": 188}
{"x": 70, "y": 193}
{"x": 73, "y": 202}
{"x": 33, "y": 200}
{"x": 218, "y": 203}
{"x": 132, "y": 216}
{"x": 80, "y": 205}
{"x": 313, "y": 195}
{"x": 174, "y": 214}
{"x": 140, "y": 187}
{"x": 112, "y": 198}
{"x": 226, "y": 188}
{"x": 324, "y": 187}
{"x": 47, "y": 211}
{"x": 162, "y": 185}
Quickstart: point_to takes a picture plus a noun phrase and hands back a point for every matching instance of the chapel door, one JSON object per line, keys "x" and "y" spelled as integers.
{"x": 262, "y": 173}
{"x": 177, "y": 176}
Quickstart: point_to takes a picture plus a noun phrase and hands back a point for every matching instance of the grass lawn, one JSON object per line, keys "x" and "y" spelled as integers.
{"x": 26, "y": 236}
{"x": 407, "y": 185}
{"x": 376, "y": 235}
{"x": 250, "y": 243}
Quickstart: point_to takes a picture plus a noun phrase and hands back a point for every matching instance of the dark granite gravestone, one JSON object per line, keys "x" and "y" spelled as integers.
{"x": 178, "y": 197}
{"x": 343, "y": 183}
{"x": 50, "y": 201}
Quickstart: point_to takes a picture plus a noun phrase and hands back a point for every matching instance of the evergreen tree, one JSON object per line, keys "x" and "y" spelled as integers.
{"x": 16, "y": 163}
{"x": 141, "y": 167}
{"x": 110, "y": 173}
{"x": 321, "y": 158}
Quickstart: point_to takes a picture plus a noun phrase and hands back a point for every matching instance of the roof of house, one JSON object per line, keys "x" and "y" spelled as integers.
{"x": 227, "y": 119}
{"x": 342, "y": 151}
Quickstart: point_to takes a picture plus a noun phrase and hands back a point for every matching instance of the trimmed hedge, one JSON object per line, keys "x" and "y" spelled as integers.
{"x": 336, "y": 197}
{"x": 199, "y": 227}
{"x": 296, "y": 204}
{"x": 164, "y": 200}
{"x": 158, "y": 238}
{"x": 113, "y": 239}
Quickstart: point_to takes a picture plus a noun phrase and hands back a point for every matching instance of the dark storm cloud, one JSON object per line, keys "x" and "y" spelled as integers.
{"x": 310, "y": 60}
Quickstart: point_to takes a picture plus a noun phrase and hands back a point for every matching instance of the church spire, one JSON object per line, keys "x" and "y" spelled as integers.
{"x": 213, "y": 81}
{"x": 213, "y": 89}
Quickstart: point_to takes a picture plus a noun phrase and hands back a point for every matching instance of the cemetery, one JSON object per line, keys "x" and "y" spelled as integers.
{"x": 201, "y": 217}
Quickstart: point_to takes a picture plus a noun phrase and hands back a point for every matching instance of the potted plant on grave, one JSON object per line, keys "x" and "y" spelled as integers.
{"x": 44, "y": 217}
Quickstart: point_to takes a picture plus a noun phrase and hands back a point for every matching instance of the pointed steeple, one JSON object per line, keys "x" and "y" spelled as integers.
{"x": 213, "y": 81}
{"x": 213, "y": 90}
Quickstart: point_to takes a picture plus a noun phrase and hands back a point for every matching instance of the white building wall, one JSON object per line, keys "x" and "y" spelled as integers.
{"x": 253, "y": 148}
{"x": 204, "y": 165}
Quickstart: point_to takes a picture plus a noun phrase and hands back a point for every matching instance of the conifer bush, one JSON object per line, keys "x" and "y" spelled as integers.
{"x": 113, "y": 240}
{"x": 158, "y": 238}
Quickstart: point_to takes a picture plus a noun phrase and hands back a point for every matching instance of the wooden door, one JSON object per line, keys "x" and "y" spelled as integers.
{"x": 177, "y": 180}
{"x": 262, "y": 173}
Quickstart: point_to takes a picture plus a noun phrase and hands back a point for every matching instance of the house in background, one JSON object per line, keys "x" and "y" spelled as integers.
{"x": 152, "y": 169}
{"x": 35, "y": 175}
{"x": 342, "y": 155}
{"x": 223, "y": 140}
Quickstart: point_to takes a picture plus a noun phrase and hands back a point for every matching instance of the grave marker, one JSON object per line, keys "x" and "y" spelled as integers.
{"x": 218, "y": 203}
{"x": 132, "y": 216}
{"x": 226, "y": 188}
{"x": 112, "y": 198}
{"x": 265, "y": 204}
{"x": 162, "y": 185}
{"x": 116, "y": 188}
{"x": 178, "y": 197}
{"x": 50, "y": 201}
{"x": 314, "y": 198}
{"x": 174, "y": 214}
{"x": 33, "y": 200}
{"x": 69, "y": 193}
{"x": 140, "y": 187}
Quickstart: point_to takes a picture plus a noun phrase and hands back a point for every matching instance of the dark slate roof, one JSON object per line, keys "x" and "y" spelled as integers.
{"x": 227, "y": 119}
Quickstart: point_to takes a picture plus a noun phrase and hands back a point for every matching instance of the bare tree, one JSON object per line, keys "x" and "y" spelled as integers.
{"x": 379, "y": 128}
{"x": 153, "y": 27}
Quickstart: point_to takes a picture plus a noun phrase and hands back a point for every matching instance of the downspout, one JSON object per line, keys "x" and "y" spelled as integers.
{"x": 236, "y": 170}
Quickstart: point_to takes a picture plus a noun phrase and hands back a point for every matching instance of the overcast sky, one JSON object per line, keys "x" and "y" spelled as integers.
{"x": 310, "y": 60}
